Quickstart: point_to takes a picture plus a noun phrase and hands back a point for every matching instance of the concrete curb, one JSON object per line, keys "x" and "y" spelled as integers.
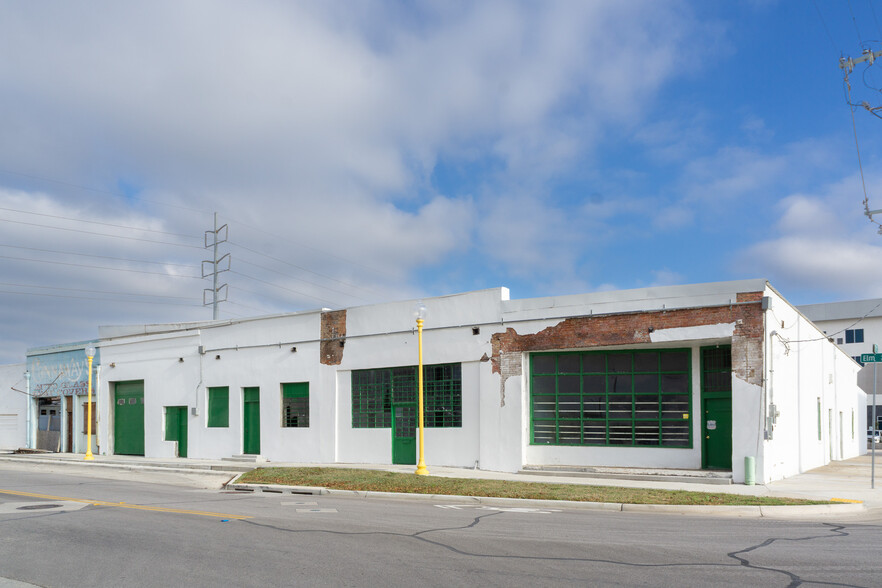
{"x": 775, "y": 512}
{"x": 117, "y": 466}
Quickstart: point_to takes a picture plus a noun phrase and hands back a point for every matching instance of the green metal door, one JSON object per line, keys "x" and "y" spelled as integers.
{"x": 251, "y": 421}
{"x": 404, "y": 447}
{"x": 717, "y": 451}
{"x": 176, "y": 427}
{"x": 716, "y": 407}
{"x": 404, "y": 415}
{"x": 128, "y": 418}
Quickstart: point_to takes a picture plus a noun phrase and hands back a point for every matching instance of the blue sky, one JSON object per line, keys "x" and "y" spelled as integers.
{"x": 368, "y": 151}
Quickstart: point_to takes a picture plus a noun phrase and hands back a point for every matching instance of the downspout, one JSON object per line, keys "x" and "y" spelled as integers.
{"x": 30, "y": 401}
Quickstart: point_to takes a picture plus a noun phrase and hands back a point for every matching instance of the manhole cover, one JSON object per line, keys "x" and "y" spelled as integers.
{"x": 39, "y": 506}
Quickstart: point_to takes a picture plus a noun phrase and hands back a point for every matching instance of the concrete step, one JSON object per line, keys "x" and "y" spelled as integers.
{"x": 639, "y": 474}
{"x": 246, "y": 458}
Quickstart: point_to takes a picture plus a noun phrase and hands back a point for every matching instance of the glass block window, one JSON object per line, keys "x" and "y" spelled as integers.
{"x": 375, "y": 391}
{"x": 617, "y": 398}
{"x": 219, "y": 407}
{"x": 371, "y": 399}
{"x": 295, "y": 405}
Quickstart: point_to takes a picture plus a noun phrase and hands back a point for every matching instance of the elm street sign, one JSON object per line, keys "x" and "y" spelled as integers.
{"x": 871, "y": 357}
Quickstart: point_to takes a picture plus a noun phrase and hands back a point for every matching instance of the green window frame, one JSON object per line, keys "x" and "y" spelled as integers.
{"x": 219, "y": 406}
{"x": 631, "y": 398}
{"x": 295, "y": 404}
{"x": 374, "y": 391}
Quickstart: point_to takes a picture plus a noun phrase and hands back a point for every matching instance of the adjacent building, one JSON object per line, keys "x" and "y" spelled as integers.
{"x": 693, "y": 377}
{"x": 856, "y": 328}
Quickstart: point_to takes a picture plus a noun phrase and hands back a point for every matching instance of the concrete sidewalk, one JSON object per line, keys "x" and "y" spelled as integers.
{"x": 847, "y": 480}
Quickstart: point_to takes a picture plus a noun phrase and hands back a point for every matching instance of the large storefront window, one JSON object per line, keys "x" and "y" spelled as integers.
{"x": 618, "y": 398}
{"x": 375, "y": 391}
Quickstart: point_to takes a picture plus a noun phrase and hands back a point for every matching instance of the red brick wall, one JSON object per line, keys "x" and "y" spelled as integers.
{"x": 333, "y": 337}
{"x": 586, "y": 332}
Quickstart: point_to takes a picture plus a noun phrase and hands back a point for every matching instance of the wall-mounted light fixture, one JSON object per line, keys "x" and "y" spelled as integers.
{"x": 651, "y": 329}
{"x": 217, "y": 356}
{"x": 293, "y": 350}
{"x": 476, "y": 330}
{"x": 180, "y": 360}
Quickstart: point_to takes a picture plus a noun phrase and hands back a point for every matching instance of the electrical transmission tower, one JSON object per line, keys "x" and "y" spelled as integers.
{"x": 213, "y": 295}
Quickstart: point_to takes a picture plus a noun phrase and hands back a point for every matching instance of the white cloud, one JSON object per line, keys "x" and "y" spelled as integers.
{"x": 822, "y": 243}
{"x": 319, "y": 124}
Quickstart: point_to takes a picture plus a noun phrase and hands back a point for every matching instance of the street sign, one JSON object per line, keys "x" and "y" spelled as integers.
{"x": 871, "y": 357}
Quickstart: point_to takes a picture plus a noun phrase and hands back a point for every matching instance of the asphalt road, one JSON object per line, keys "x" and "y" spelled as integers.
{"x": 58, "y": 529}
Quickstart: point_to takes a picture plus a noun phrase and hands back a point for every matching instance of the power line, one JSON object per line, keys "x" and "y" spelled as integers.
{"x": 96, "y": 190}
{"x": 824, "y": 24}
{"x": 94, "y": 291}
{"x": 826, "y": 336}
{"x": 281, "y": 287}
{"x": 875, "y": 20}
{"x": 854, "y": 20}
{"x": 305, "y": 246}
{"x": 100, "y": 256}
{"x": 115, "y": 269}
{"x": 246, "y": 306}
{"x": 80, "y": 220}
{"x": 301, "y": 268}
{"x": 6, "y": 220}
{"x": 300, "y": 279}
{"x": 100, "y": 299}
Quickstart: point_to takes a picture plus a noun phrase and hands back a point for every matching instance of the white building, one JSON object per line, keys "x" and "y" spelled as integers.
{"x": 854, "y": 326}
{"x": 13, "y": 407}
{"x": 694, "y": 377}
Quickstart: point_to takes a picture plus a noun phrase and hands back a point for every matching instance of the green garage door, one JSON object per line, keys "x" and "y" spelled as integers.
{"x": 128, "y": 418}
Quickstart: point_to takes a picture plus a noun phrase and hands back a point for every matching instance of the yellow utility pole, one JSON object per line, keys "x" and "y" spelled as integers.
{"x": 90, "y": 354}
{"x": 420, "y": 316}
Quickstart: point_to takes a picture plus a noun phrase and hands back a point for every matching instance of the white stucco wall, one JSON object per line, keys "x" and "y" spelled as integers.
{"x": 495, "y": 430}
{"x": 13, "y": 407}
{"x": 804, "y": 371}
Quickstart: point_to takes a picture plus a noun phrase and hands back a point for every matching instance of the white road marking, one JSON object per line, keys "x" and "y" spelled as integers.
{"x": 498, "y": 508}
{"x": 316, "y": 510}
{"x": 299, "y": 503}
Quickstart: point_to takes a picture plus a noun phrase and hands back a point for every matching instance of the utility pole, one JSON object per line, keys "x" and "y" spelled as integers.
{"x": 846, "y": 64}
{"x": 212, "y": 240}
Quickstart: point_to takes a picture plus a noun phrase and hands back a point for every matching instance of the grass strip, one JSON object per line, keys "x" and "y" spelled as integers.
{"x": 380, "y": 481}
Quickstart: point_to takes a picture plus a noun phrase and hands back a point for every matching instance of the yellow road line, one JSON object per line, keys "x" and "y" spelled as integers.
{"x": 126, "y": 505}
{"x": 846, "y": 500}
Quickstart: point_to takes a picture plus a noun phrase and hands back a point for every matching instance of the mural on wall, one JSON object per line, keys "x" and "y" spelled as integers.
{"x": 65, "y": 373}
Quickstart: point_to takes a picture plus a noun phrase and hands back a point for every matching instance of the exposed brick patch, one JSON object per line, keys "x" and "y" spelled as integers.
{"x": 510, "y": 365}
{"x": 333, "y": 336}
{"x": 749, "y": 297}
{"x": 585, "y": 332}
